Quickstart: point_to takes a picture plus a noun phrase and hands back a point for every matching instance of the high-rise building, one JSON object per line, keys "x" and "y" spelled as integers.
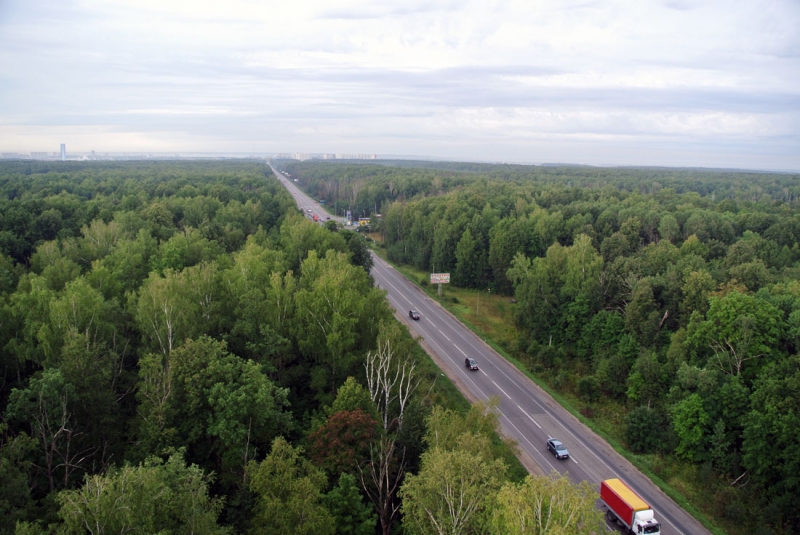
{"x": 63, "y": 152}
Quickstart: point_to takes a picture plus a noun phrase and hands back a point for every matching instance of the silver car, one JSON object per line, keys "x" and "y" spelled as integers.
{"x": 558, "y": 449}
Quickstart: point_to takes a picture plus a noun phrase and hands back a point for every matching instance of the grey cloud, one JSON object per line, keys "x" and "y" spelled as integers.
{"x": 378, "y": 10}
{"x": 491, "y": 87}
{"x": 682, "y": 5}
{"x": 66, "y": 67}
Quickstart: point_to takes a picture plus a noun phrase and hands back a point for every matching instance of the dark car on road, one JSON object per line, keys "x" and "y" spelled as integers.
{"x": 471, "y": 364}
{"x": 413, "y": 314}
{"x": 558, "y": 449}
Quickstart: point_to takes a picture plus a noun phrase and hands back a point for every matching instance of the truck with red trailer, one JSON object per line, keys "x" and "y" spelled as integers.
{"x": 628, "y": 508}
{"x": 316, "y": 217}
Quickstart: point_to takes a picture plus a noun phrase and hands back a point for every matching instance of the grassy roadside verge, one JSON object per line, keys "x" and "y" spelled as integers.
{"x": 436, "y": 388}
{"x": 491, "y": 318}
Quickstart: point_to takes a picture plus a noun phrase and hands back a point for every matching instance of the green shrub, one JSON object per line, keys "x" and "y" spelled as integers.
{"x": 643, "y": 429}
{"x": 589, "y": 388}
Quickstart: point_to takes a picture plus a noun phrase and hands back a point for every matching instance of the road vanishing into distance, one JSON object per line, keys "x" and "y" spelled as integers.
{"x": 527, "y": 413}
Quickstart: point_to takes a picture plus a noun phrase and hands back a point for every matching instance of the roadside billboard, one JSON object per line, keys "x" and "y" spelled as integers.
{"x": 440, "y": 278}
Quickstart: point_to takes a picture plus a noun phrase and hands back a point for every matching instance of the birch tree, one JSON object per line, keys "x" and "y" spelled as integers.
{"x": 154, "y": 497}
{"x": 164, "y": 312}
{"x": 451, "y": 493}
{"x": 547, "y": 505}
{"x": 390, "y": 381}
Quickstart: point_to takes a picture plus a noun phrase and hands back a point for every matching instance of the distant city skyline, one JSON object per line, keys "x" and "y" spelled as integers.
{"x": 93, "y": 155}
{"x": 681, "y": 83}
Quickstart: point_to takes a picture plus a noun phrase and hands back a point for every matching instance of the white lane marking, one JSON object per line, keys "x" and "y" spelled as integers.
{"x": 516, "y": 383}
{"x": 501, "y": 390}
{"x": 668, "y": 522}
{"x": 398, "y": 291}
{"x": 460, "y": 370}
{"x": 402, "y": 294}
{"x": 530, "y": 397}
{"x": 418, "y": 326}
{"x": 557, "y": 421}
{"x": 529, "y": 417}
{"x": 571, "y": 458}
{"x": 469, "y": 337}
{"x": 533, "y": 448}
{"x": 578, "y": 440}
{"x": 455, "y": 346}
{"x": 544, "y": 409}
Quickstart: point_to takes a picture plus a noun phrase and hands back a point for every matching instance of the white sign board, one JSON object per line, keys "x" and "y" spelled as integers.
{"x": 440, "y": 278}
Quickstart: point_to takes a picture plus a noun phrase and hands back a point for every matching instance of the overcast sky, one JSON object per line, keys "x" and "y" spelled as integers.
{"x": 639, "y": 82}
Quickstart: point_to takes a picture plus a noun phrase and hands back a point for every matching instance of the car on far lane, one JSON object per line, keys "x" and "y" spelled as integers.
{"x": 471, "y": 363}
{"x": 557, "y": 448}
{"x": 413, "y": 314}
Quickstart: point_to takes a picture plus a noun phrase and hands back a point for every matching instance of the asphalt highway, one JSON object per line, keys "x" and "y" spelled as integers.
{"x": 527, "y": 414}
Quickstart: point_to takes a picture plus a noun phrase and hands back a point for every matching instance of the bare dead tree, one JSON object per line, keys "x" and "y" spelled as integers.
{"x": 381, "y": 477}
{"x": 663, "y": 319}
{"x": 735, "y": 482}
{"x": 390, "y": 384}
{"x": 53, "y": 427}
{"x": 730, "y": 359}
{"x": 731, "y": 353}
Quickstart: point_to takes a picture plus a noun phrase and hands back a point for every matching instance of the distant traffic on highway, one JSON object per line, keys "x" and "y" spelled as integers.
{"x": 527, "y": 414}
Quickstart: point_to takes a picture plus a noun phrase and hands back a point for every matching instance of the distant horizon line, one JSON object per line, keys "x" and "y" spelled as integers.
{"x": 93, "y": 155}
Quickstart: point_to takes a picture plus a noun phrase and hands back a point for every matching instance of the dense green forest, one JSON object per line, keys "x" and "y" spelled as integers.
{"x": 181, "y": 351}
{"x": 667, "y": 300}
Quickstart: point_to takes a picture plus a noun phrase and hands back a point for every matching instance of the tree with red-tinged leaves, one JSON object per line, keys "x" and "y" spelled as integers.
{"x": 342, "y": 442}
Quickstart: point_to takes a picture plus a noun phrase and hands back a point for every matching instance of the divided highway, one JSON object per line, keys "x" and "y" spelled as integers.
{"x": 527, "y": 414}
